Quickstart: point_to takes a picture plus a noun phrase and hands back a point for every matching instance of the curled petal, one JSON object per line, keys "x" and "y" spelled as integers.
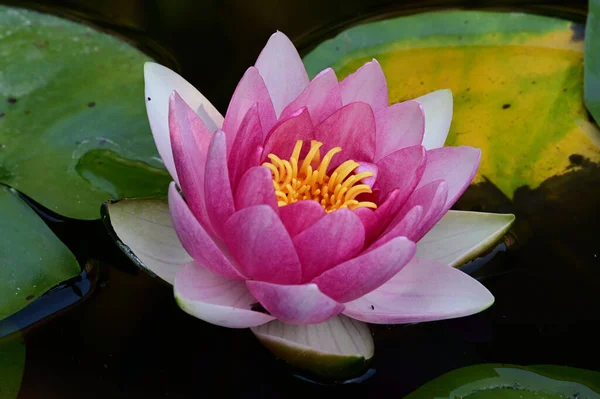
{"x": 431, "y": 198}
{"x": 335, "y": 238}
{"x": 375, "y": 221}
{"x": 217, "y": 187}
{"x": 322, "y": 97}
{"x": 247, "y": 147}
{"x": 352, "y": 128}
{"x": 401, "y": 170}
{"x": 298, "y": 216}
{"x": 190, "y": 140}
{"x": 399, "y": 126}
{"x": 367, "y": 272}
{"x": 456, "y": 165}
{"x": 256, "y": 188}
{"x": 283, "y": 137}
{"x": 437, "y": 107}
{"x": 404, "y": 226}
{"x": 160, "y": 82}
{"x": 216, "y": 299}
{"x": 282, "y": 70}
{"x": 367, "y": 85}
{"x": 295, "y": 304}
{"x": 423, "y": 290}
{"x": 196, "y": 241}
{"x": 263, "y": 248}
{"x": 250, "y": 90}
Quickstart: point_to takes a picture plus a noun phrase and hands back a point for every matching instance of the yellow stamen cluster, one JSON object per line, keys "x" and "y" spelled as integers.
{"x": 296, "y": 180}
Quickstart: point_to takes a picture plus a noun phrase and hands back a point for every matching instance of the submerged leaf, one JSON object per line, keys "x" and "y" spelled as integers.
{"x": 72, "y": 115}
{"x": 461, "y": 236}
{"x": 491, "y": 381}
{"x": 32, "y": 258}
{"x": 339, "y": 348}
{"x": 144, "y": 231}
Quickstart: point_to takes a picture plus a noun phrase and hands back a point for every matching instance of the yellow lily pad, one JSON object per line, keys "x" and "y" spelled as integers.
{"x": 517, "y": 81}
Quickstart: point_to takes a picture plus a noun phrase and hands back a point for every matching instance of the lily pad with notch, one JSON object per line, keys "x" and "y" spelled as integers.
{"x": 72, "y": 100}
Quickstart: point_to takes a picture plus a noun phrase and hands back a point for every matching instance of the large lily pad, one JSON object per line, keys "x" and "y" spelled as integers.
{"x": 592, "y": 59}
{"x": 517, "y": 81}
{"x": 12, "y": 365}
{"x": 495, "y": 381}
{"x": 32, "y": 258}
{"x": 72, "y": 112}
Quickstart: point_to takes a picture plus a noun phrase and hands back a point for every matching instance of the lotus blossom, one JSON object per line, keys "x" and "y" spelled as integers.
{"x": 309, "y": 198}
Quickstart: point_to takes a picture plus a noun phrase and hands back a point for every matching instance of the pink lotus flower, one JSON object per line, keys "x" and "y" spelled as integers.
{"x": 309, "y": 198}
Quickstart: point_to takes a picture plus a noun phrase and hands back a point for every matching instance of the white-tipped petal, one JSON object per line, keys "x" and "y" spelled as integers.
{"x": 437, "y": 107}
{"x": 160, "y": 82}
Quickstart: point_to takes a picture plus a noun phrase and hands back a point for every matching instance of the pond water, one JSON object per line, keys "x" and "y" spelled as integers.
{"x": 122, "y": 334}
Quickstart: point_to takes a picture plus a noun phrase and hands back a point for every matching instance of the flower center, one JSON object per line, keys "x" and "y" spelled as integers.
{"x": 296, "y": 180}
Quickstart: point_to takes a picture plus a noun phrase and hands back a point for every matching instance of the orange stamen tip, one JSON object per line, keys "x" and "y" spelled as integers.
{"x": 296, "y": 180}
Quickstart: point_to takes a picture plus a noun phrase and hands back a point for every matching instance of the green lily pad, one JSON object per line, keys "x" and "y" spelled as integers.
{"x": 32, "y": 258}
{"x": 72, "y": 115}
{"x": 495, "y": 381}
{"x": 517, "y": 81}
{"x": 12, "y": 365}
{"x": 592, "y": 59}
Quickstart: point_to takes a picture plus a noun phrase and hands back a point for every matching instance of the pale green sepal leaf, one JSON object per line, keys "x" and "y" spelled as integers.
{"x": 143, "y": 230}
{"x": 461, "y": 236}
{"x": 339, "y": 348}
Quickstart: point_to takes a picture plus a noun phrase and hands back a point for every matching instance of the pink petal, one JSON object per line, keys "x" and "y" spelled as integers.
{"x": 399, "y": 126}
{"x": 334, "y": 239}
{"x": 247, "y": 147}
{"x": 322, "y": 97}
{"x": 250, "y": 90}
{"x": 190, "y": 141}
{"x": 215, "y": 299}
{"x": 263, "y": 248}
{"x": 217, "y": 188}
{"x": 282, "y": 70}
{"x": 423, "y": 291}
{"x": 375, "y": 221}
{"x": 196, "y": 241}
{"x": 456, "y": 165}
{"x": 361, "y": 275}
{"x": 160, "y": 82}
{"x": 300, "y": 215}
{"x": 431, "y": 198}
{"x": 256, "y": 188}
{"x": 282, "y": 138}
{"x": 367, "y": 167}
{"x": 401, "y": 170}
{"x": 295, "y": 304}
{"x": 352, "y": 128}
{"x": 367, "y": 85}
{"x": 402, "y": 226}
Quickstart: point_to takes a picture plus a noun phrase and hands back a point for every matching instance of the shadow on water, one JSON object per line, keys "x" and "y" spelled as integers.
{"x": 124, "y": 336}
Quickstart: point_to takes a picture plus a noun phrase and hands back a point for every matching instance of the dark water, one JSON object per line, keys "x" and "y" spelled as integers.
{"x": 124, "y": 337}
